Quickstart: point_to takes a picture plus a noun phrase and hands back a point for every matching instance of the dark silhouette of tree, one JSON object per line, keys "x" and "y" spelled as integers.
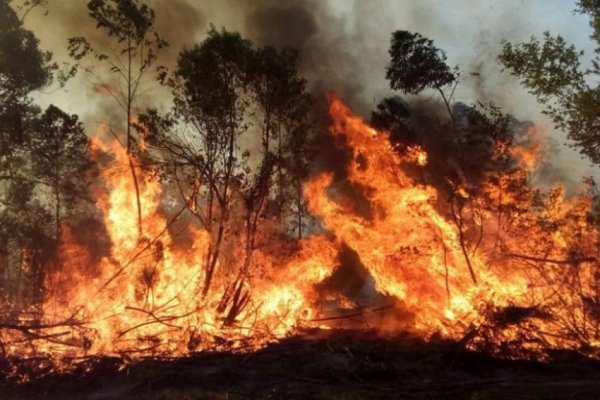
{"x": 551, "y": 69}
{"x": 416, "y": 64}
{"x": 209, "y": 90}
{"x": 131, "y": 24}
{"x": 58, "y": 150}
{"x": 281, "y": 94}
{"x": 23, "y": 69}
{"x": 27, "y": 240}
{"x": 23, "y": 238}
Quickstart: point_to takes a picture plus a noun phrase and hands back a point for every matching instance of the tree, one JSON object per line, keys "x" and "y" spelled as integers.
{"x": 23, "y": 69}
{"x": 227, "y": 98}
{"x": 23, "y": 238}
{"x": 131, "y": 24}
{"x": 551, "y": 70}
{"x": 469, "y": 154}
{"x": 416, "y": 64}
{"x": 209, "y": 99}
{"x": 281, "y": 94}
{"x": 38, "y": 151}
{"x": 59, "y": 150}
{"x": 23, "y": 66}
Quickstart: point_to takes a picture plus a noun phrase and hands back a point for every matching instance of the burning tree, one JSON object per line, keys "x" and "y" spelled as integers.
{"x": 235, "y": 147}
{"x": 456, "y": 233}
{"x": 131, "y": 24}
{"x": 482, "y": 163}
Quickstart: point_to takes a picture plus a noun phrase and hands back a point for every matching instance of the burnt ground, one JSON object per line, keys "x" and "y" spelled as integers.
{"x": 330, "y": 365}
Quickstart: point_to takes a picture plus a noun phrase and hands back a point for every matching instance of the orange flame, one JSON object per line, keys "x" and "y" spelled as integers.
{"x": 145, "y": 297}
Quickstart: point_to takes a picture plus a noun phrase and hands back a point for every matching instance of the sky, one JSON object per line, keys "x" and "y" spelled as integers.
{"x": 344, "y": 46}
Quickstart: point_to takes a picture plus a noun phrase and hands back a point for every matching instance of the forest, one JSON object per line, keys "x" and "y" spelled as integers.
{"x": 242, "y": 209}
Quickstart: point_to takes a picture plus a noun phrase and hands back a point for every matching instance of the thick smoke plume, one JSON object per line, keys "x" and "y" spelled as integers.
{"x": 342, "y": 47}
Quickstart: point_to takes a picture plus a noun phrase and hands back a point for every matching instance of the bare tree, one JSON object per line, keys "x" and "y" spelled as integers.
{"x": 131, "y": 24}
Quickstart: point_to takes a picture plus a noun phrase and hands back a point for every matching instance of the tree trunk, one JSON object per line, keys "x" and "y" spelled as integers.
{"x": 461, "y": 238}
{"x": 131, "y": 166}
{"x": 57, "y": 213}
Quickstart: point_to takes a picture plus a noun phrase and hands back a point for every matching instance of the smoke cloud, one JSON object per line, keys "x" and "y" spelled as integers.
{"x": 342, "y": 46}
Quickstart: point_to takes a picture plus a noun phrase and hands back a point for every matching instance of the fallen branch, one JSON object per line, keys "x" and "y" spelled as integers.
{"x": 156, "y": 320}
{"x": 571, "y": 261}
{"x": 356, "y": 314}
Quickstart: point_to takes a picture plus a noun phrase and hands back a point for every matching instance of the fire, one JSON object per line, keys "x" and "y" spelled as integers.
{"x": 522, "y": 280}
{"x": 411, "y": 251}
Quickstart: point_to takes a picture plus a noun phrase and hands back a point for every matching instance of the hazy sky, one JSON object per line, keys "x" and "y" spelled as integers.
{"x": 347, "y": 49}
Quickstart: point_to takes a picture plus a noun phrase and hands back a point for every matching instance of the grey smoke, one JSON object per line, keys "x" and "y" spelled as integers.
{"x": 343, "y": 44}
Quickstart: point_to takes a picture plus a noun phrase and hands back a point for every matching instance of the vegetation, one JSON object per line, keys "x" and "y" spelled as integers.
{"x": 41, "y": 154}
{"x": 551, "y": 69}
{"x": 232, "y": 151}
{"x": 131, "y": 25}
{"x": 228, "y": 95}
{"x": 474, "y": 163}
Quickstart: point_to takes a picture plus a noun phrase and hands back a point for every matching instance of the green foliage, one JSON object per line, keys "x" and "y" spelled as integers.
{"x": 416, "y": 64}
{"x": 551, "y": 70}
{"x": 592, "y": 9}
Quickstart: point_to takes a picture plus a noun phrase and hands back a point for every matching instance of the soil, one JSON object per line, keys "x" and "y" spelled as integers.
{"x": 341, "y": 365}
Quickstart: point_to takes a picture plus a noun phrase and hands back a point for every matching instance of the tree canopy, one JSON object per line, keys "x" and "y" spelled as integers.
{"x": 416, "y": 64}
{"x": 551, "y": 70}
{"x": 238, "y": 132}
{"x": 42, "y": 154}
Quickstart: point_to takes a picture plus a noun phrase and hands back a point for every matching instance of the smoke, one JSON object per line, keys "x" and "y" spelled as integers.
{"x": 177, "y": 21}
{"x": 342, "y": 47}
{"x": 326, "y": 52}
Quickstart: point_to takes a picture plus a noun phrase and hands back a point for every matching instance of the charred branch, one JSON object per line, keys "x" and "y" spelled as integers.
{"x": 570, "y": 261}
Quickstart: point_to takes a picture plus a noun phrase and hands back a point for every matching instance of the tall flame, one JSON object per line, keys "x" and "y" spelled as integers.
{"x": 145, "y": 297}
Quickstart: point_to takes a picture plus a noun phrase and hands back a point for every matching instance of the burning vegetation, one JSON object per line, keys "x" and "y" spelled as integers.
{"x": 218, "y": 225}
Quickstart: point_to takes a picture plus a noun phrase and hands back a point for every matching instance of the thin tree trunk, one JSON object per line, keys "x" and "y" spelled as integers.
{"x": 299, "y": 206}
{"x": 214, "y": 256}
{"x": 447, "y": 104}
{"x": 137, "y": 196}
{"x": 223, "y": 203}
{"x": 57, "y": 212}
{"x": 461, "y": 238}
{"x": 131, "y": 166}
